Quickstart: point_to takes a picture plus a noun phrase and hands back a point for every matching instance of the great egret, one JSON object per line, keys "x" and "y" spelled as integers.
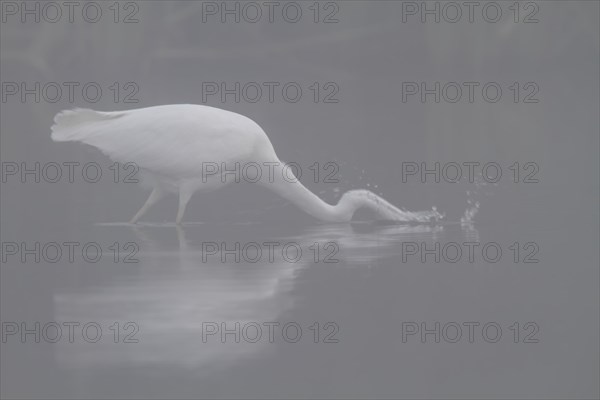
{"x": 172, "y": 144}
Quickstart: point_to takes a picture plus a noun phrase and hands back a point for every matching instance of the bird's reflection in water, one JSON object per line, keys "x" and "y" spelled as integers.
{"x": 176, "y": 287}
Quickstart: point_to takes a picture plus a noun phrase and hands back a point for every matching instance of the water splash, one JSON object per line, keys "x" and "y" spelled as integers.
{"x": 377, "y": 203}
{"x": 427, "y": 216}
{"x": 473, "y": 205}
{"x": 470, "y": 212}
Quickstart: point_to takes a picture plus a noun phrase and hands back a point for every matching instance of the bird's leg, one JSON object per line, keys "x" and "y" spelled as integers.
{"x": 184, "y": 196}
{"x": 156, "y": 195}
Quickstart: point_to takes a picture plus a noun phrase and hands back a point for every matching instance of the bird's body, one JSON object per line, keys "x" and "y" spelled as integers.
{"x": 174, "y": 144}
{"x": 169, "y": 143}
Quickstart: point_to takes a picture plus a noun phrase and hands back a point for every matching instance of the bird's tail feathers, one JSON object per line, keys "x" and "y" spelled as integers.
{"x": 79, "y": 123}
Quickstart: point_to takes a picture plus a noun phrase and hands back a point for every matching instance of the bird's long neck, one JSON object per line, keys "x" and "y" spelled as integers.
{"x": 292, "y": 190}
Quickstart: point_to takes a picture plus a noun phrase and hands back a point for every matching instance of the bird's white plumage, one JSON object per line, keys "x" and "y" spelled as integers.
{"x": 170, "y": 140}
{"x": 171, "y": 144}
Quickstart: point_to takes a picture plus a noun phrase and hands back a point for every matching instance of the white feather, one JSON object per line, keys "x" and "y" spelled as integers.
{"x": 171, "y": 140}
{"x": 171, "y": 144}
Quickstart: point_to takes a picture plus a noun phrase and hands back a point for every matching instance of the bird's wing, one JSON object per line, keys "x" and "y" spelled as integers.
{"x": 170, "y": 140}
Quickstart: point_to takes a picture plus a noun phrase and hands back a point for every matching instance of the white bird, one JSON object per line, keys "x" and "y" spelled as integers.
{"x": 173, "y": 144}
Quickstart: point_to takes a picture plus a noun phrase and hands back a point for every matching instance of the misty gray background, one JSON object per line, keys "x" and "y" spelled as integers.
{"x": 369, "y": 133}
